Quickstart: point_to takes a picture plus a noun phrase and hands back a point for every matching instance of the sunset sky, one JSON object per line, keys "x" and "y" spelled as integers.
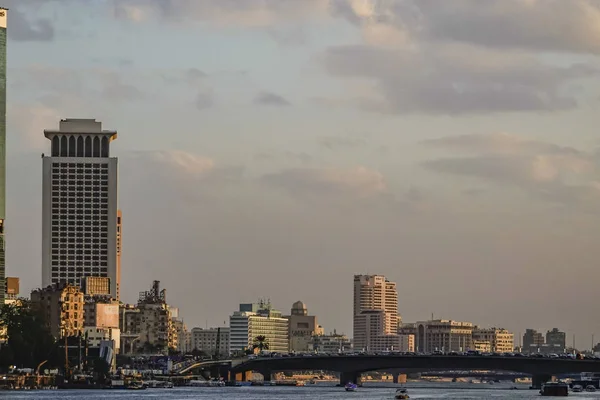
{"x": 275, "y": 148}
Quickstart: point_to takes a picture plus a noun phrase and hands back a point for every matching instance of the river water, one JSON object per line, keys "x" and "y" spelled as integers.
{"x": 368, "y": 392}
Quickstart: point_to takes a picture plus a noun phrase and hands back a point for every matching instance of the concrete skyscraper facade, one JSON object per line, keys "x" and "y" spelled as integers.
{"x": 3, "y": 19}
{"x": 80, "y": 217}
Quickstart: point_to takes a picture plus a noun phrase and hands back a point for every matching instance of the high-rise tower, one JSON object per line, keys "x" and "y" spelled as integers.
{"x": 81, "y": 221}
{"x": 3, "y": 18}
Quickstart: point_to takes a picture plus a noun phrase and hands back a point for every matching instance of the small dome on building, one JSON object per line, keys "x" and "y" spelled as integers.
{"x": 299, "y": 308}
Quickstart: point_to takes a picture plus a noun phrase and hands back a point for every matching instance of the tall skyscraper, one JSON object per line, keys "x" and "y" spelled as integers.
{"x": 375, "y": 309}
{"x": 80, "y": 217}
{"x": 3, "y": 19}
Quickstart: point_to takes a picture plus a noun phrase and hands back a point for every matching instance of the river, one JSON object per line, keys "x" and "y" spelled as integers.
{"x": 368, "y": 392}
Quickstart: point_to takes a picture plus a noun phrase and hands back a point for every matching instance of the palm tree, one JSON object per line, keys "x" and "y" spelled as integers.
{"x": 261, "y": 343}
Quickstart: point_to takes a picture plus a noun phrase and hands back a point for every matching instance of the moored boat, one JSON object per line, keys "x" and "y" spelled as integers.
{"x": 401, "y": 394}
{"x": 590, "y": 388}
{"x": 577, "y": 388}
{"x": 350, "y": 387}
{"x": 556, "y": 389}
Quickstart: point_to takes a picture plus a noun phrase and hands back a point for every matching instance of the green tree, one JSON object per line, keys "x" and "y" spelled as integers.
{"x": 261, "y": 343}
{"x": 29, "y": 339}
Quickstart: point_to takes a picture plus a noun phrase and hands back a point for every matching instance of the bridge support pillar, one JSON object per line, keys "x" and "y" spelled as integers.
{"x": 538, "y": 380}
{"x": 353, "y": 377}
{"x": 240, "y": 376}
{"x": 266, "y": 373}
{"x": 399, "y": 378}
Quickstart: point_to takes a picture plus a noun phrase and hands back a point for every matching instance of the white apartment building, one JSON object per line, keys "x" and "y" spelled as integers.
{"x": 206, "y": 340}
{"x": 500, "y": 340}
{"x": 245, "y": 326}
{"x": 79, "y": 205}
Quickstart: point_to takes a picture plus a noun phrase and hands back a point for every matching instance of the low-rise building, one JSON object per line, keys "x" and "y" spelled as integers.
{"x": 207, "y": 340}
{"x": 331, "y": 343}
{"x": 499, "y": 340}
{"x": 483, "y": 346}
{"x": 95, "y": 335}
{"x": 62, "y": 307}
{"x": 444, "y": 335}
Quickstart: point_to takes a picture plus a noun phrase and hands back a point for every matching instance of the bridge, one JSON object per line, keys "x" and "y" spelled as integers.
{"x": 351, "y": 367}
{"x": 184, "y": 368}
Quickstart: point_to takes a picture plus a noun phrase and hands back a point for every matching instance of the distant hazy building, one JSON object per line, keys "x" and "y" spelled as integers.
{"x": 206, "y": 340}
{"x": 11, "y": 285}
{"x": 80, "y": 233}
{"x": 245, "y": 326}
{"x": 500, "y": 340}
{"x": 532, "y": 339}
{"x": 557, "y": 338}
{"x": 302, "y": 327}
{"x": 444, "y": 335}
{"x": 62, "y": 307}
{"x": 332, "y": 343}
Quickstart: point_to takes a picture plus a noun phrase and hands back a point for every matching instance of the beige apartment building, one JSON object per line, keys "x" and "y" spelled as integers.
{"x": 302, "y": 327}
{"x": 62, "y": 305}
{"x": 500, "y": 340}
{"x": 148, "y": 327}
{"x": 375, "y": 292}
{"x": 444, "y": 335}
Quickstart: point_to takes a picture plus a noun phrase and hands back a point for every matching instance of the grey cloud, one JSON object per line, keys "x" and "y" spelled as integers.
{"x": 359, "y": 181}
{"x": 500, "y": 142}
{"x": 204, "y": 99}
{"x": 515, "y": 23}
{"x": 56, "y": 83}
{"x": 270, "y": 99}
{"x": 25, "y": 29}
{"x": 441, "y": 81}
{"x": 336, "y": 142}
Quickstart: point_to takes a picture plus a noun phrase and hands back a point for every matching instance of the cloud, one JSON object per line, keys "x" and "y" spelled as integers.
{"x": 270, "y": 99}
{"x": 205, "y": 99}
{"x": 553, "y": 173}
{"x": 359, "y": 181}
{"x": 58, "y": 83}
{"x": 498, "y": 143}
{"x": 24, "y": 26}
{"x": 257, "y": 13}
{"x": 456, "y": 79}
{"x": 26, "y": 125}
{"x": 336, "y": 142}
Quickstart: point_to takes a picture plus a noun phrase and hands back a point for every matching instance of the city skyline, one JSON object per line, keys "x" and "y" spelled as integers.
{"x": 301, "y": 143}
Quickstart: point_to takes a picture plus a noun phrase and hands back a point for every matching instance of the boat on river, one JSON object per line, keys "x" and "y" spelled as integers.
{"x": 350, "y": 387}
{"x": 401, "y": 394}
{"x": 555, "y": 389}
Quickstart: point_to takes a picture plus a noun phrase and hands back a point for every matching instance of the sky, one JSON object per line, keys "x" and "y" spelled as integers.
{"x": 275, "y": 148}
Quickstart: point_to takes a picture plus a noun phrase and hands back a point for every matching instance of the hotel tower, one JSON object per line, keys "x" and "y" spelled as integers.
{"x": 81, "y": 223}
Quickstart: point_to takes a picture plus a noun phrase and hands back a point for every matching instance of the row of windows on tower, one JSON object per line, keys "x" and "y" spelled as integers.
{"x": 78, "y": 146}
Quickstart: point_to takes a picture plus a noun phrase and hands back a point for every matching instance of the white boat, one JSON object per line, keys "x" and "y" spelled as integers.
{"x": 350, "y": 387}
